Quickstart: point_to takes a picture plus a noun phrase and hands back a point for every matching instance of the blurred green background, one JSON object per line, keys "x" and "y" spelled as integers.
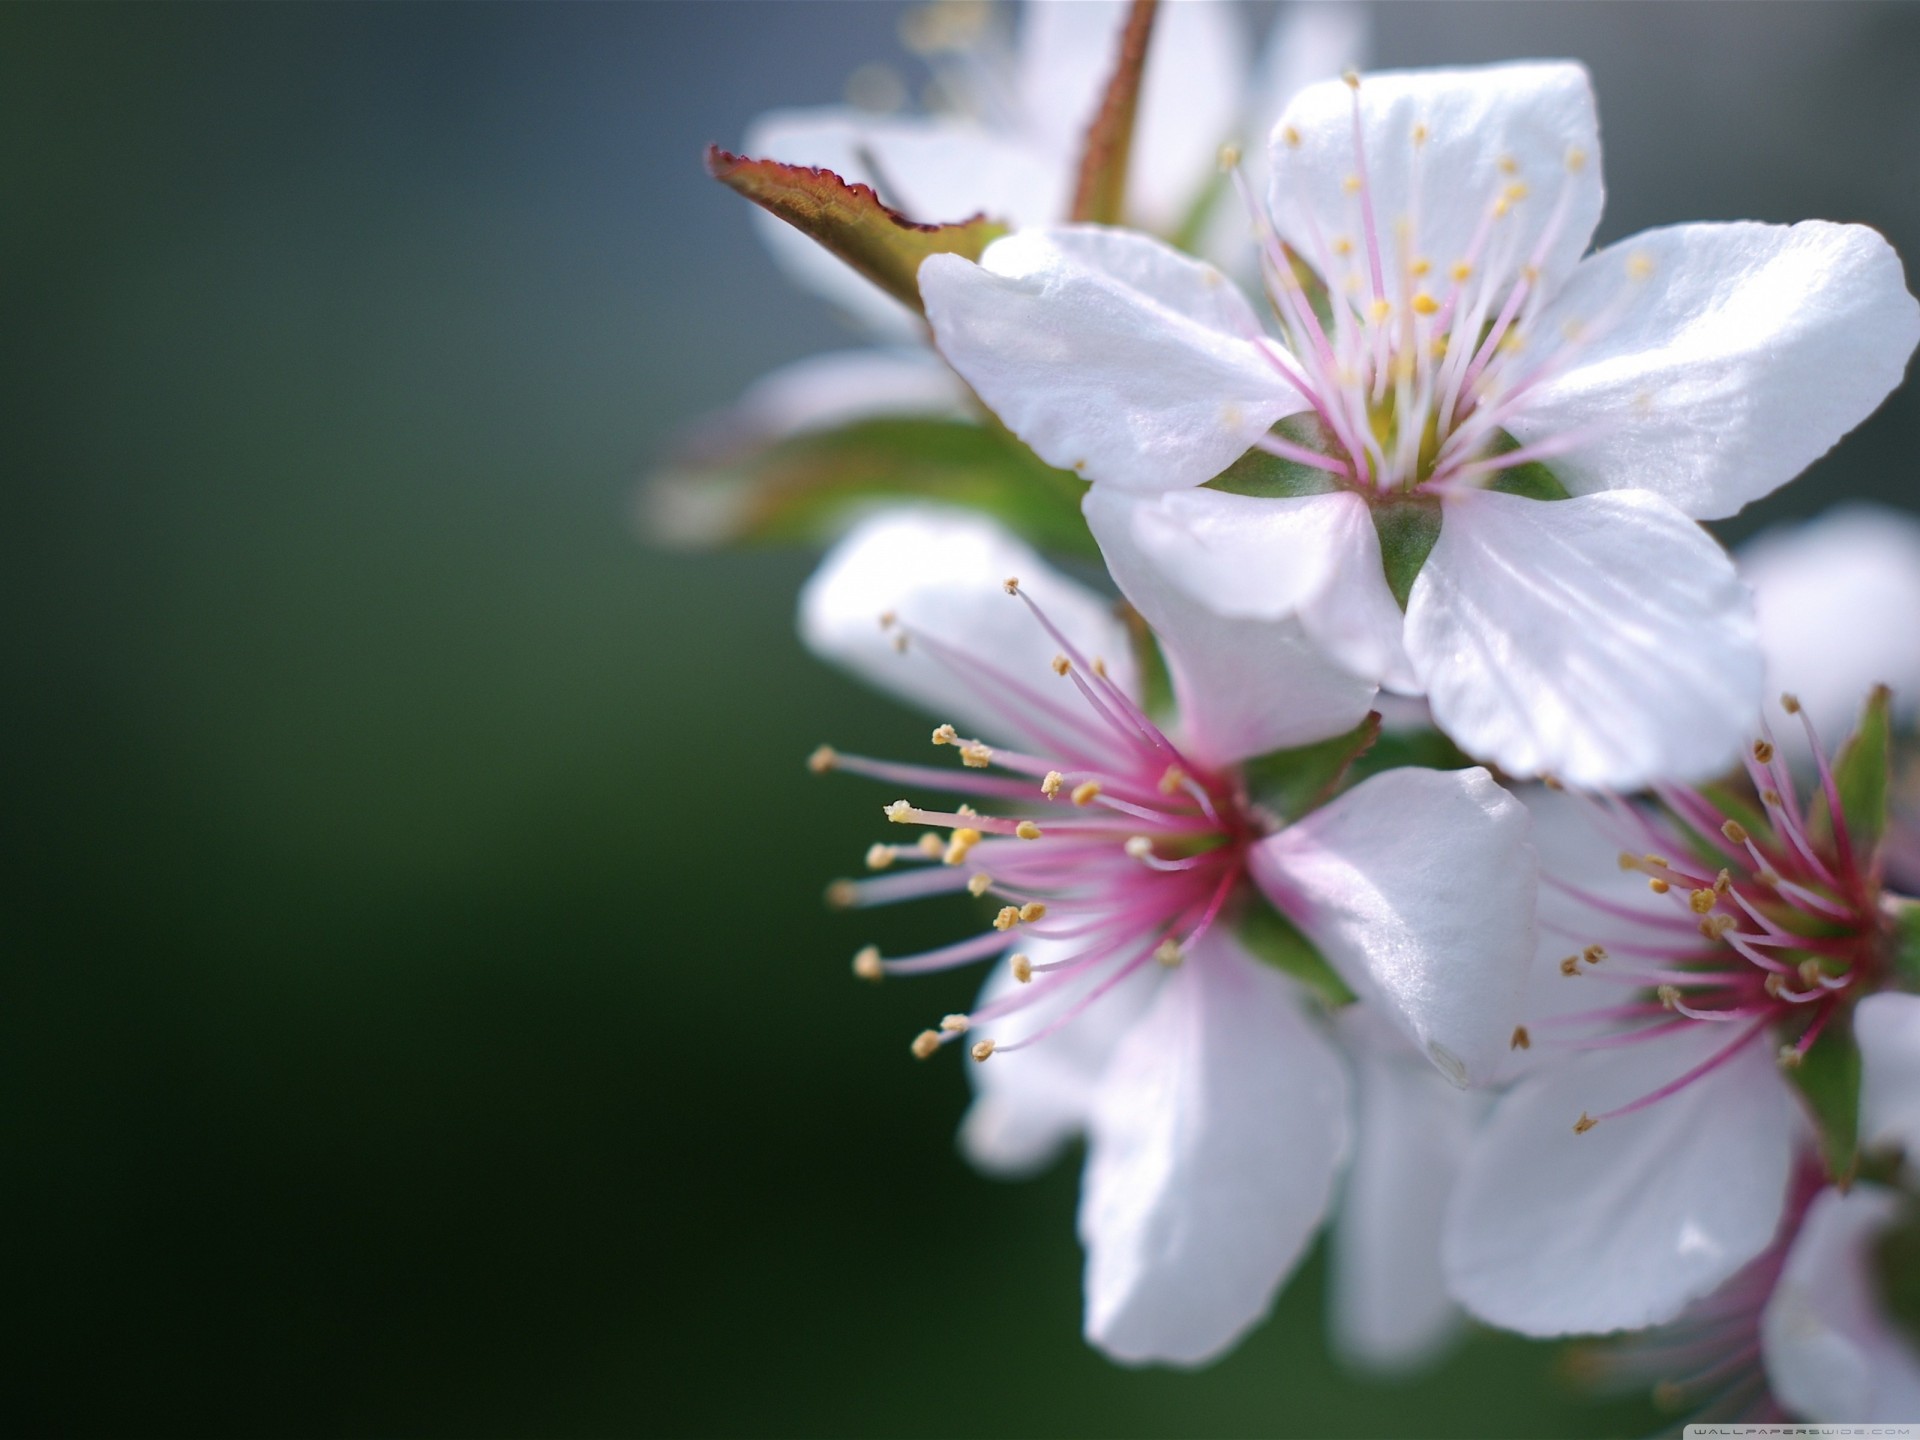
{"x": 419, "y": 1016}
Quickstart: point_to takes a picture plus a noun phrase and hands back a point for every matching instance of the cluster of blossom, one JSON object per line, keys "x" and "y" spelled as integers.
{"x": 1411, "y": 843}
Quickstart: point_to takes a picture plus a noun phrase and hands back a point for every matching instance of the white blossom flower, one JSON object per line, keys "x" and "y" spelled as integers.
{"x": 1644, "y": 1156}
{"x": 1215, "y": 1109}
{"x": 1465, "y": 346}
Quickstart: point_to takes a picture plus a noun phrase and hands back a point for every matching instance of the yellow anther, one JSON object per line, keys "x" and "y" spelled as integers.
{"x": 1509, "y": 165}
{"x": 1639, "y": 266}
{"x": 1734, "y": 831}
{"x": 879, "y": 857}
{"x": 1657, "y": 862}
{"x": 1585, "y": 1123}
{"x": 1424, "y": 304}
{"x": 1342, "y": 245}
{"x": 976, "y": 756}
{"x": 1530, "y": 273}
{"x": 965, "y": 810}
{"x": 1715, "y": 926}
{"x": 1229, "y": 156}
{"x": 1420, "y": 132}
{"x": 900, "y": 642}
{"x": 1515, "y": 192}
{"x": 1629, "y": 861}
{"x": 1461, "y": 272}
{"x": 1771, "y": 797}
{"x": 1138, "y": 847}
{"x": 1669, "y": 996}
{"x": 1774, "y": 984}
{"x": 1521, "y": 1039}
{"x": 1351, "y": 184}
{"x": 1790, "y": 703}
{"x": 1086, "y": 792}
{"x": 1767, "y": 878}
{"x": 1061, "y": 665}
{"x": 1594, "y": 954}
{"x": 823, "y": 760}
{"x": 1790, "y": 1058}
{"x": 1050, "y": 786}
{"x": 956, "y": 1024}
{"x": 1008, "y": 917}
{"x": 1022, "y": 968}
{"x": 1703, "y": 900}
{"x": 887, "y": 619}
{"x": 1811, "y": 972}
{"x": 1169, "y": 953}
{"x": 1723, "y": 882}
{"x": 900, "y": 812}
{"x": 945, "y": 735}
{"x": 1658, "y": 886}
{"x": 1439, "y": 347}
{"x": 1576, "y": 159}
{"x": 960, "y": 846}
{"x": 1033, "y": 910}
{"x": 1352, "y": 77}
{"x": 930, "y": 845}
{"x": 1420, "y": 268}
{"x": 1027, "y": 830}
{"x": 925, "y": 1044}
{"x": 1100, "y": 667}
{"x": 1011, "y": 584}
{"x": 867, "y": 965}
{"x": 979, "y": 883}
{"x": 1291, "y": 137}
{"x": 1172, "y": 779}
{"x": 1380, "y": 310}
{"x": 842, "y": 894}
{"x": 1570, "y": 965}
{"x": 1763, "y": 751}
{"x": 982, "y": 1050}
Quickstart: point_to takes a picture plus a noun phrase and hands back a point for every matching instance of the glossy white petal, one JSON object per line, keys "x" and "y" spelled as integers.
{"x": 1218, "y": 1131}
{"x": 1487, "y": 131}
{"x": 1027, "y": 1104}
{"x": 1418, "y": 887}
{"x": 1832, "y": 1353}
{"x": 1887, "y": 1027}
{"x": 1390, "y": 1307}
{"x": 1244, "y": 686}
{"x": 1831, "y": 595}
{"x": 1190, "y": 95}
{"x": 1604, "y": 639}
{"x": 933, "y": 170}
{"x": 1554, "y": 1233}
{"x": 1109, "y": 353}
{"x": 1740, "y": 359}
{"x": 941, "y": 573}
{"x": 840, "y": 387}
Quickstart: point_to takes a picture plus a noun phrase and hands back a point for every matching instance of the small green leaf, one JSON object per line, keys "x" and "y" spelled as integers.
{"x": 1829, "y": 1079}
{"x": 1100, "y": 195}
{"x": 1269, "y": 477}
{"x": 1408, "y": 529}
{"x": 1270, "y": 936}
{"x": 1529, "y": 478}
{"x": 806, "y": 488}
{"x": 1861, "y": 773}
{"x": 850, "y": 220}
{"x": 1291, "y": 782}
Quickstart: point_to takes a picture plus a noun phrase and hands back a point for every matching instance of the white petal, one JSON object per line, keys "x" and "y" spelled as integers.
{"x": 1390, "y": 1307}
{"x": 1418, "y": 886}
{"x": 932, "y": 170}
{"x": 1553, "y": 1233}
{"x": 1887, "y": 1027}
{"x": 941, "y": 572}
{"x": 1109, "y": 353}
{"x": 1219, "y": 1129}
{"x": 1029, "y": 1103}
{"x": 1603, "y": 639}
{"x": 1478, "y": 123}
{"x": 1244, "y": 686}
{"x": 1189, "y": 95}
{"x": 1256, "y": 558}
{"x": 1832, "y": 1353}
{"x": 843, "y": 386}
{"x": 1742, "y": 357}
{"x": 1829, "y": 594}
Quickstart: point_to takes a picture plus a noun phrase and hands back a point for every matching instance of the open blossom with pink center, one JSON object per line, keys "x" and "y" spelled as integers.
{"x": 1119, "y": 860}
{"x": 1693, "y": 954}
{"x": 1493, "y": 450}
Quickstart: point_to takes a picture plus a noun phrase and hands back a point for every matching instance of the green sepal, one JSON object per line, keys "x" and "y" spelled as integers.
{"x": 1408, "y": 529}
{"x": 1862, "y": 773}
{"x": 1271, "y": 937}
{"x": 1896, "y": 1263}
{"x": 1828, "y": 1078}
{"x": 1270, "y": 477}
{"x": 1289, "y": 783}
{"x": 806, "y": 488}
{"x": 1906, "y": 938}
{"x": 1530, "y": 479}
{"x": 851, "y": 220}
